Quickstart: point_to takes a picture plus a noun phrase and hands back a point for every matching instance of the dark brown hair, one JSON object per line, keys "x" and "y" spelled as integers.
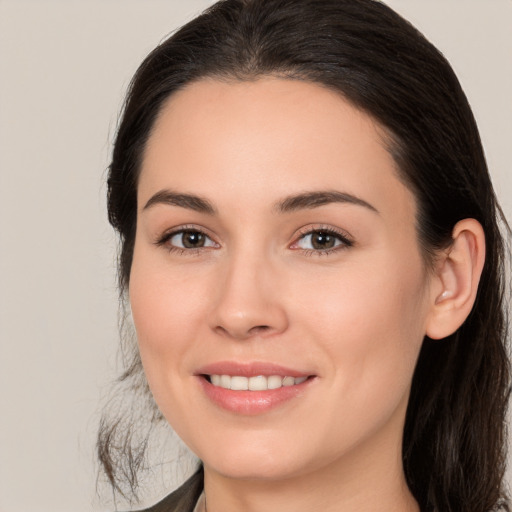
{"x": 454, "y": 439}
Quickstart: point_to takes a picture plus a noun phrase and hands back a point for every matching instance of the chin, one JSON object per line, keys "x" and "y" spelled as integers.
{"x": 264, "y": 461}
{"x": 259, "y": 469}
{"x": 250, "y": 459}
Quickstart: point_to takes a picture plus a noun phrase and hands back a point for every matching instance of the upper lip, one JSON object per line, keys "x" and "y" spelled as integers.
{"x": 250, "y": 369}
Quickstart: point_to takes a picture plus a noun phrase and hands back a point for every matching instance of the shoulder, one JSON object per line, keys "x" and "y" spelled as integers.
{"x": 182, "y": 499}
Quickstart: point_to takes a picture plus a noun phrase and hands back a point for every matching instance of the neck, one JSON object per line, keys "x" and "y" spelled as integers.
{"x": 307, "y": 494}
{"x": 370, "y": 478}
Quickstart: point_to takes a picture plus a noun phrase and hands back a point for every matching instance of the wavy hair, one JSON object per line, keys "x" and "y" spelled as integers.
{"x": 454, "y": 438}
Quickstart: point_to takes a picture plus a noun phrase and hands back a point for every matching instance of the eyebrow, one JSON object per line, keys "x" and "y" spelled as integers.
{"x": 316, "y": 199}
{"x": 306, "y": 200}
{"x": 189, "y": 201}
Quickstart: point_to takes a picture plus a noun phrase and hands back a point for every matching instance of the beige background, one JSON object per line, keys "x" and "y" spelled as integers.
{"x": 64, "y": 66}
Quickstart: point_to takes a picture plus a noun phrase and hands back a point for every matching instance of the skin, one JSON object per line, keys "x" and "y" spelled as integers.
{"x": 354, "y": 317}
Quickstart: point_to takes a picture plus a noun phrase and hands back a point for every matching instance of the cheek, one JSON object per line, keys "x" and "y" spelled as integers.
{"x": 370, "y": 330}
{"x": 369, "y": 318}
{"x": 166, "y": 307}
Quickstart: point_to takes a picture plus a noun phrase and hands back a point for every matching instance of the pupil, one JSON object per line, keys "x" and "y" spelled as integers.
{"x": 322, "y": 240}
{"x": 192, "y": 239}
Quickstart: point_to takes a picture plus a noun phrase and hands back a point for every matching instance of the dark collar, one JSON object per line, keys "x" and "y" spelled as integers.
{"x": 184, "y": 498}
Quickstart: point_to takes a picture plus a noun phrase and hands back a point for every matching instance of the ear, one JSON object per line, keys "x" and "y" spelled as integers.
{"x": 456, "y": 279}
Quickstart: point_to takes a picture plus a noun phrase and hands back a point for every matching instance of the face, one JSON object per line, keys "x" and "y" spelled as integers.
{"x": 277, "y": 287}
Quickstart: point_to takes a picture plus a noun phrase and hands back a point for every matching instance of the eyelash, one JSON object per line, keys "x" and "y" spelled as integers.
{"x": 341, "y": 236}
{"x": 163, "y": 241}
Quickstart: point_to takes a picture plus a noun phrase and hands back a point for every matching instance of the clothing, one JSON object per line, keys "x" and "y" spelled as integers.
{"x": 183, "y": 499}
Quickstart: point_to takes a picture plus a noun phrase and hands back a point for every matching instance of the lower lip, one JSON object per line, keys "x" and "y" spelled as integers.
{"x": 251, "y": 403}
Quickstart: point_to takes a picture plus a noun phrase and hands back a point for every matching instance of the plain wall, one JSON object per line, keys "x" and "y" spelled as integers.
{"x": 64, "y": 66}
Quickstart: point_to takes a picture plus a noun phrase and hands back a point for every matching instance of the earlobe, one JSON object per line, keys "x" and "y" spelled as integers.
{"x": 456, "y": 282}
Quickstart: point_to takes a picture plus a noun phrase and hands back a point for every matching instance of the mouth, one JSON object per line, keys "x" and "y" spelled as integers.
{"x": 253, "y": 388}
{"x": 255, "y": 383}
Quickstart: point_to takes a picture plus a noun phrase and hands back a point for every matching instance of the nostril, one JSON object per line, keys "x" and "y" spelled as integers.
{"x": 242, "y": 333}
{"x": 221, "y": 330}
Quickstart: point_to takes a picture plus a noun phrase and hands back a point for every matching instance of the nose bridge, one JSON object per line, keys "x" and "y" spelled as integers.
{"x": 249, "y": 301}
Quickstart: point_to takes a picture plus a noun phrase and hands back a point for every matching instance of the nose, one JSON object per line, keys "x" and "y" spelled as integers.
{"x": 250, "y": 299}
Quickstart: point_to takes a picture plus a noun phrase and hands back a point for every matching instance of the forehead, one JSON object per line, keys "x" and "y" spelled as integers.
{"x": 268, "y": 138}
{"x": 221, "y": 113}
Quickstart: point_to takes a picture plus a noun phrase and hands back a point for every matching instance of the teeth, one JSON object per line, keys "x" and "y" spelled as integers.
{"x": 274, "y": 382}
{"x": 258, "y": 383}
{"x": 225, "y": 381}
{"x": 239, "y": 383}
{"x": 288, "y": 381}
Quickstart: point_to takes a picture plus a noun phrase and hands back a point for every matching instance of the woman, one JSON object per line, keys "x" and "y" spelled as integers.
{"x": 311, "y": 250}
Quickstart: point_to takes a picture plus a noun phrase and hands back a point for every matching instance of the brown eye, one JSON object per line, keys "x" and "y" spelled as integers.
{"x": 190, "y": 239}
{"x": 322, "y": 240}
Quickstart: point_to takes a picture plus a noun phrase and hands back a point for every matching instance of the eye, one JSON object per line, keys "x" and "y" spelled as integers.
{"x": 322, "y": 240}
{"x": 190, "y": 239}
{"x": 186, "y": 239}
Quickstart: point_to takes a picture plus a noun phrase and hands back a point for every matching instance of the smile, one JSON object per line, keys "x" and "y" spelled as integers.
{"x": 257, "y": 383}
{"x": 253, "y": 388}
